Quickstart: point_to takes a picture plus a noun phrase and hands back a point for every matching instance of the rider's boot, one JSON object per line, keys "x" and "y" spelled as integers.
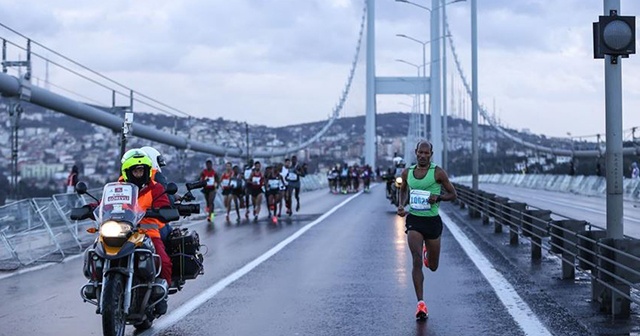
{"x": 161, "y": 307}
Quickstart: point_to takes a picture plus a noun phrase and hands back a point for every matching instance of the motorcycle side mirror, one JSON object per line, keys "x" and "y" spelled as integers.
{"x": 81, "y": 188}
{"x": 171, "y": 188}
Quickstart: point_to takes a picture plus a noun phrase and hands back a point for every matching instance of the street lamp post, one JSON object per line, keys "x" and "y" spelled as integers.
{"x": 424, "y": 74}
{"x": 410, "y": 131}
{"x": 436, "y": 133}
{"x": 417, "y": 96}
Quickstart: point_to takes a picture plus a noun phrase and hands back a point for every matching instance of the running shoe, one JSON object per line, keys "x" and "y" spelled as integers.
{"x": 274, "y": 219}
{"x": 425, "y": 256}
{"x": 422, "y": 312}
{"x": 297, "y": 206}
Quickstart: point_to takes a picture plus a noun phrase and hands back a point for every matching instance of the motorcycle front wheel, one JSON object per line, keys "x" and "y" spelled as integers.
{"x": 113, "y": 318}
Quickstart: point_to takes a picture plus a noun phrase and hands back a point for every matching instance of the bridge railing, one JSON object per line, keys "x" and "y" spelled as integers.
{"x": 39, "y": 229}
{"x": 612, "y": 264}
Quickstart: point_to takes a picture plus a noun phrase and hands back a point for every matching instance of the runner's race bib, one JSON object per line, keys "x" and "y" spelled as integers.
{"x": 419, "y": 199}
{"x": 292, "y": 176}
{"x": 233, "y": 183}
{"x": 225, "y": 182}
{"x": 274, "y": 184}
{"x": 255, "y": 180}
{"x": 210, "y": 181}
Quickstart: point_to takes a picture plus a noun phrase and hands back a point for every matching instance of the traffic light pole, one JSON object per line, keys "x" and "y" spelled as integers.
{"x": 613, "y": 156}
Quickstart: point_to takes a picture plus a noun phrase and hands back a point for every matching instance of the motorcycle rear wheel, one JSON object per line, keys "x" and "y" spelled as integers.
{"x": 113, "y": 318}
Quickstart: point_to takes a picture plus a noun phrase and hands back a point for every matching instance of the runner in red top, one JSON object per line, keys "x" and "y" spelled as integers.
{"x": 209, "y": 175}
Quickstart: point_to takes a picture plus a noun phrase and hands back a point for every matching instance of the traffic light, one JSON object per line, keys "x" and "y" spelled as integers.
{"x": 614, "y": 35}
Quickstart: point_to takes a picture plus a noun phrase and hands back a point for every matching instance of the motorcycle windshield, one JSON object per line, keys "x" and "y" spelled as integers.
{"x": 119, "y": 203}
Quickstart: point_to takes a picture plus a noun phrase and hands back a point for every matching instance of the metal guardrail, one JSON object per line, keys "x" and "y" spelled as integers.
{"x": 612, "y": 264}
{"x": 39, "y": 230}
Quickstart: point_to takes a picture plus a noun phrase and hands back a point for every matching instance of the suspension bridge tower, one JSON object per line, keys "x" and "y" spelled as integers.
{"x": 403, "y": 85}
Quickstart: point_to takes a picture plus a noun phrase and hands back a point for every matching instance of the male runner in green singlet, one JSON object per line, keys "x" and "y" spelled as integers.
{"x": 421, "y": 189}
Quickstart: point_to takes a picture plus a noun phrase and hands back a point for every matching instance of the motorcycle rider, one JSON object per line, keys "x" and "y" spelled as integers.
{"x": 158, "y": 162}
{"x": 136, "y": 169}
{"x": 399, "y": 167}
{"x": 156, "y": 174}
{"x": 366, "y": 177}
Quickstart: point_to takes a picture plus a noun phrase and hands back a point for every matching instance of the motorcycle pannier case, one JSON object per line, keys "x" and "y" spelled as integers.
{"x": 184, "y": 250}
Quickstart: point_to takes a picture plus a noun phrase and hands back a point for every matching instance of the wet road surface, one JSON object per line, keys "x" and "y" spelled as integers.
{"x": 348, "y": 272}
{"x": 589, "y": 208}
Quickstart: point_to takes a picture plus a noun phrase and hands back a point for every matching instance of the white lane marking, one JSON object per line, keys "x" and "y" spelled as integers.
{"x": 189, "y": 306}
{"x": 519, "y": 310}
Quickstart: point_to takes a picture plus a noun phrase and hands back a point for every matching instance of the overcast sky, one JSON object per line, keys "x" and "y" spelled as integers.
{"x": 282, "y": 62}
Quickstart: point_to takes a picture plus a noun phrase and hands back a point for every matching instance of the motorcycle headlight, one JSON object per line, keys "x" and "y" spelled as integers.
{"x": 112, "y": 229}
{"x": 398, "y": 181}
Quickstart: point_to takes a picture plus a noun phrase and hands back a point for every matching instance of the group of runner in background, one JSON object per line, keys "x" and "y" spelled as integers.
{"x": 345, "y": 179}
{"x": 277, "y": 185}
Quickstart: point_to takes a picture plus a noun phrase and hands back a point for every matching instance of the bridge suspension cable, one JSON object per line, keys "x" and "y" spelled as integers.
{"x": 492, "y": 122}
{"x": 12, "y": 86}
{"x": 345, "y": 93}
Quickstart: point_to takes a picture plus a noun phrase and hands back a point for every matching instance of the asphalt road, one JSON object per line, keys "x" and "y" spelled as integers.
{"x": 340, "y": 266}
{"x": 589, "y": 208}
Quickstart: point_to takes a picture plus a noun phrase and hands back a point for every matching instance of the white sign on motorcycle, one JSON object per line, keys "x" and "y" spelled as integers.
{"x": 117, "y": 194}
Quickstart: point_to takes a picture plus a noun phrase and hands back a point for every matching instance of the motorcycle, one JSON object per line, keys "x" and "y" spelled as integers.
{"x": 394, "y": 182}
{"x": 122, "y": 267}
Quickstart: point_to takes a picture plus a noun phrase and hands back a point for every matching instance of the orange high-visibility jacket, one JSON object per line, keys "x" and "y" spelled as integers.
{"x": 145, "y": 199}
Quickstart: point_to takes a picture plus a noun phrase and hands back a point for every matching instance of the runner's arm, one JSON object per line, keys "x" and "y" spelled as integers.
{"x": 443, "y": 179}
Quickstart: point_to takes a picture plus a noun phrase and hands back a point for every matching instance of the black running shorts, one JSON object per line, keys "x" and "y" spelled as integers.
{"x": 254, "y": 192}
{"x": 429, "y": 227}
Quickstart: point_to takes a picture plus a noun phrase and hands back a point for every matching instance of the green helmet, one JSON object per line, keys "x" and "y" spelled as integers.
{"x": 133, "y": 159}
